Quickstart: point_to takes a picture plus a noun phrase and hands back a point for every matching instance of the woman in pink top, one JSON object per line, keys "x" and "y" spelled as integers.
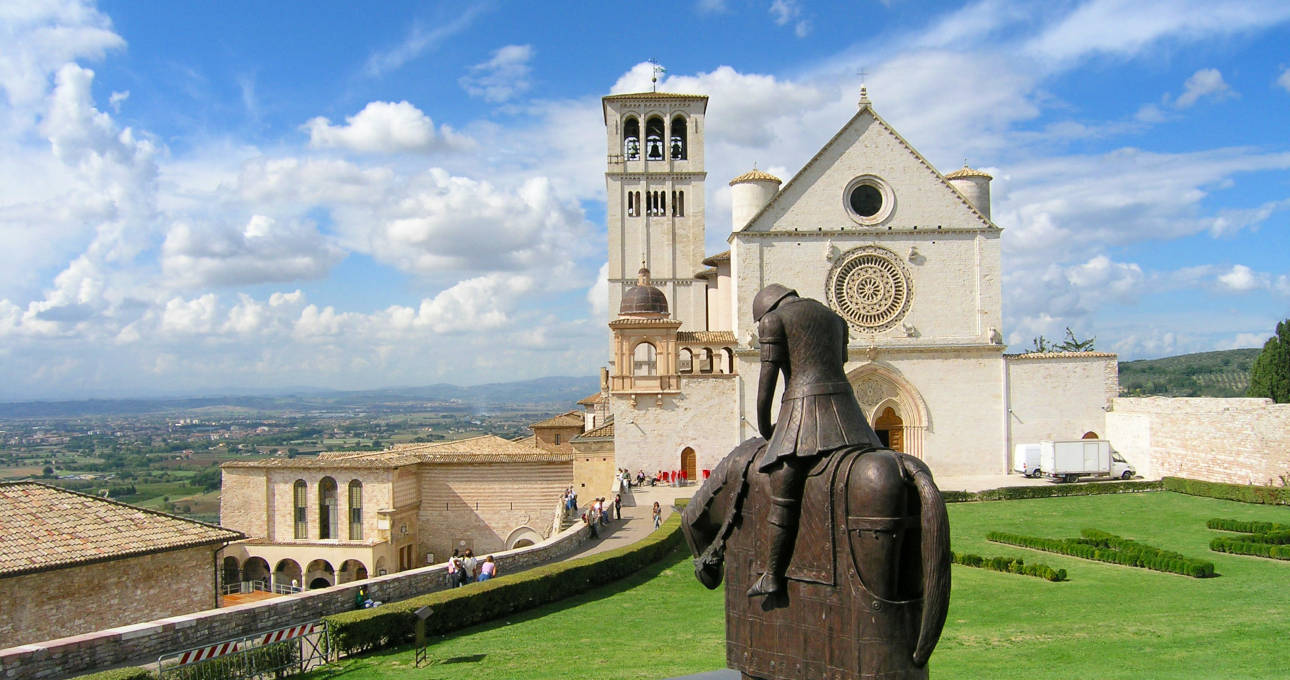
{"x": 488, "y": 569}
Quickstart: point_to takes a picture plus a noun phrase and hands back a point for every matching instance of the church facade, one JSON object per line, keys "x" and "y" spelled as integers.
{"x": 907, "y": 255}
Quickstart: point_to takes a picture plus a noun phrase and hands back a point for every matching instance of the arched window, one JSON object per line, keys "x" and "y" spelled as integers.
{"x": 677, "y": 143}
{"x": 301, "y": 502}
{"x": 678, "y": 206}
{"x": 327, "y": 508}
{"x": 638, "y": 204}
{"x": 662, "y": 203}
{"x": 686, "y": 363}
{"x": 654, "y": 139}
{"x": 705, "y": 363}
{"x": 355, "y": 510}
{"x": 728, "y": 359}
{"x": 632, "y": 139}
{"x": 645, "y": 359}
{"x": 633, "y": 209}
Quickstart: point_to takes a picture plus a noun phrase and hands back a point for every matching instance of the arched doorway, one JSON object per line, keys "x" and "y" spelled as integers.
{"x": 256, "y": 569}
{"x": 890, "y": 429}
{"x": 320, "y": 574}
{"x": 1090, "y": 435}
{"x": 287, "y": 573}
{"x": 690, "y": 463}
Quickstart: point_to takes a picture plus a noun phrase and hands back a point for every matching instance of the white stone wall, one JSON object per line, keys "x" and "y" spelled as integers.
{"x": 1239, "y": 441}
{"x": 703, "y": 417}
{"x": 1059, "y": 396}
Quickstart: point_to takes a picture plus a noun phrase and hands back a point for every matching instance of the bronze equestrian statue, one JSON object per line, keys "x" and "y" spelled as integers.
{"x": 835, "y": 549}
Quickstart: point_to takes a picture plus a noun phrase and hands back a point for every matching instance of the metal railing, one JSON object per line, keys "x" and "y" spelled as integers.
{"x": 275, "y": 654}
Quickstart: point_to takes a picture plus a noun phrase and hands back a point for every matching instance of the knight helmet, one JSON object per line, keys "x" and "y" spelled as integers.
{"x": 767, "y": 298}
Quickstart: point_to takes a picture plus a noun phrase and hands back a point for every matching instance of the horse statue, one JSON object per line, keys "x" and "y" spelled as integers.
{"x": 869, "y": 580}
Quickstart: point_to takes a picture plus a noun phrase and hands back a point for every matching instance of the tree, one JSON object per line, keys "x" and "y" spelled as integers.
{"x": 1270, "y": 374}
{"x": 1070, "y": 344}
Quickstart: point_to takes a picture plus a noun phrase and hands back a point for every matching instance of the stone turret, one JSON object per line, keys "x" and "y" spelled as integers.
{"x": 975, "y": 187}
{"x": 749, "y": 193}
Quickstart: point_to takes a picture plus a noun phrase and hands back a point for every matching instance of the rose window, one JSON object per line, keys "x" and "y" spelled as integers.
{"x": 870, "y": 289}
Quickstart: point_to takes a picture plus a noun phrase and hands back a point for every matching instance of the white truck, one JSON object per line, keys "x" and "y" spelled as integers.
{"x": 1067, "y": 461}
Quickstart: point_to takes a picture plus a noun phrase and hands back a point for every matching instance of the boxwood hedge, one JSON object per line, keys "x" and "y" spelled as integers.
{"x": 1008, "y": 493}
{"x": 1246, "y": 545}
{"x": 1245, "y": 493}
{"x": 1105, "y": 547}
{"x": 1009, "y": 565}
{"x": 394, "y": 623}
{"x": 1245, "y": 527}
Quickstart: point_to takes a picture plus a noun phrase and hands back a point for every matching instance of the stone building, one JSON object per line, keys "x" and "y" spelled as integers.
{"x": 318, "y": 521}
{"x": 72, "y": 563}
{"x": 908, "y": 256}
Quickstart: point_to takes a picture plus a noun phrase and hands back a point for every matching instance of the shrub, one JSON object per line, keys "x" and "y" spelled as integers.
{"x": 1245, "y": 493}
{"x": 131, "y": 673}
{"x": 1010, "y": 565}
{"x": 1105, "y": 547}
{"x": 1246, "y": 546}
{"x": 456, "y": 608}
{"x": 1245, "y": 527}
{"x": 1008, "y": 493}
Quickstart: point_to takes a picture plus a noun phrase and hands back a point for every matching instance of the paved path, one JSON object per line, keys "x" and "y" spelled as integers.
{"x": 637, "y": 521}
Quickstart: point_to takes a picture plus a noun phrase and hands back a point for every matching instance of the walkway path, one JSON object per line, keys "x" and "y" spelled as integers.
{"x": 637, "y": 521}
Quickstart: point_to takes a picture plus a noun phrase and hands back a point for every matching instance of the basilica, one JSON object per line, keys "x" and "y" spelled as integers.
{"x": 908, "y": 256}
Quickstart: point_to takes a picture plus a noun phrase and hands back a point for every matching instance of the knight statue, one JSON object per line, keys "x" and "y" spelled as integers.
{"x": 835, "y": 548}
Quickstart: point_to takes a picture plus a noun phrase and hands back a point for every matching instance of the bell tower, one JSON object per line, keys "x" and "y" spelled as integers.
{"x": 654, "y": 181}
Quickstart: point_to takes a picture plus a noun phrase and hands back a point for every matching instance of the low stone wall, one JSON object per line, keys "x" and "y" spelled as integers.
{"x": 142, "y": 643}
{"x": 1237, "y": 441}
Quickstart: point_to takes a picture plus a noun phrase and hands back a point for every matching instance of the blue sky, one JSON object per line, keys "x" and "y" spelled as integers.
{"x": 211, "y": 197}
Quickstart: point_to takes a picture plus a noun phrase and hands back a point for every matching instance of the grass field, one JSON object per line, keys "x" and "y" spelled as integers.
{"x": 1106, "y": 622}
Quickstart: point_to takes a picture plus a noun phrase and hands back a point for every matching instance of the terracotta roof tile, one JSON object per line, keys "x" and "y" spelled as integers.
{"x": 1063, "y": 355}
{"x": 755, "y": 176}
{"x": 965, "y": 171}
{"x": 44, "y": 527}
{"x": 604, "y": 431}
{"x": 592, "y": 400}
{"x": 566, "y": 419}
{"x": 707, "y": 337}
{"x": 712, "y": 260}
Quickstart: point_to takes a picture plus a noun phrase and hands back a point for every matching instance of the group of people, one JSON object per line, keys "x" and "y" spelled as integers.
{"x": 602, "y": 511}
{"x": 663, "y": 477}
{"x": 570, "y": 500}
{"x": 465, "y": 568}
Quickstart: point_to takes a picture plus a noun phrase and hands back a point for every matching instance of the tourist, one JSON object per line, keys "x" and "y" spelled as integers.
{"x": 488, "y": 569}
{"x": 658, "y": 515}
{"x": 454, "y": 569}
{"x": 468, "y": 565}
{"x": 591, "y": 525}
{"x": 618, "y": 507}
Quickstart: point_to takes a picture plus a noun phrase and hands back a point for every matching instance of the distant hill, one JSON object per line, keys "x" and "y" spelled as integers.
{"x": 543, "y": 394}
{"x": 1204, "y": 374}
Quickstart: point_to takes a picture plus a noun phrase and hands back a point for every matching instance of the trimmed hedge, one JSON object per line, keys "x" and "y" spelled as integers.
{"x": 455, "y": 608}
{"x": 1008, "y": 565}
{"x": 1245, "y": 527}
{"x": 1105, "y": 547}
{"x": 1245, "y": 545}
{"x": 1245, "y": 493}
{"x": 1009, "y": 493}
{"x": 131, "y": 673}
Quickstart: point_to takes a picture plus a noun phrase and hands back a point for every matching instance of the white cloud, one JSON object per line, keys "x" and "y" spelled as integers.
{"x": 502, "y": 77}
{"x": 420, "y": 40}
{"x": 384, "y": 127}
{"x": 711, "y": 6}
{"x": 789, "y": 11}
{"x": 41, "y": 37}
{"x": 264, "y": 250}
{"x": 598, "y": 294}
{"x": 1242, "y": 279}
{"x": 1206, "y": 83}
{"x": 1284, "y": 79}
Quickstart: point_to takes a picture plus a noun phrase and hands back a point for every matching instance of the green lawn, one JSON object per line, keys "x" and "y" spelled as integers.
{"x": 1106, "y": 622}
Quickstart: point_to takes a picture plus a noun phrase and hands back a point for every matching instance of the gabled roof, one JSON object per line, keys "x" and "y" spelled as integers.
{"x": 592, "y": 400}
{"x": 866, "y": 109}
{"x": 44, "y": 527}
{"x": 566, "y": 419}
{"x": 601, "y": 433}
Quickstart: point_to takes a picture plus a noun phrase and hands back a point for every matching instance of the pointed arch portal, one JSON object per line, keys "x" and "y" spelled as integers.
{"x": 892, "y": 405}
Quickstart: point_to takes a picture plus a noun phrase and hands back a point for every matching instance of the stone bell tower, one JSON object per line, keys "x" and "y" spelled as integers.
{"x": 654, "y": 181}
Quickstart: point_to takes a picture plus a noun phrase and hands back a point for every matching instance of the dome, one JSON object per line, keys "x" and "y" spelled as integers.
{"x": 755, "y": 175}
{"x": 643, "y": 299}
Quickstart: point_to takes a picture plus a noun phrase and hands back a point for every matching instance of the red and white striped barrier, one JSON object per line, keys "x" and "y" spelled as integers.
{"x": 222, "y": 648}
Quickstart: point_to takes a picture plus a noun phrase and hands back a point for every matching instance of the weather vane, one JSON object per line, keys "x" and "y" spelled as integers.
{"x": 658, "y": 70}
{"x": 864, "y": 91}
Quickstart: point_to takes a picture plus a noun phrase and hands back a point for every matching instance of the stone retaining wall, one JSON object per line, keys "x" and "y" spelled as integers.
{"x": 142, "y": 643}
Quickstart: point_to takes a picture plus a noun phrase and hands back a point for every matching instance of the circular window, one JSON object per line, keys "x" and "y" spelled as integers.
{"x": 868, "y": 200}
{"x": 870, "y": 288}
